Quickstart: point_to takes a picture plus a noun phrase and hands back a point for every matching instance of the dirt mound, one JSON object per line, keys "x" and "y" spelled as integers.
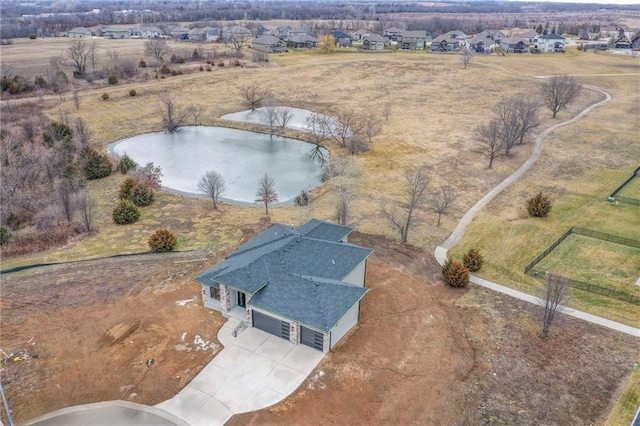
{"x": 119, "y": 332}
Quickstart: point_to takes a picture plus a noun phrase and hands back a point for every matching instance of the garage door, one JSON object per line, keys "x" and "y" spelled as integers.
{"x": 271, "y": 325}
{"x": 311, "y": 338}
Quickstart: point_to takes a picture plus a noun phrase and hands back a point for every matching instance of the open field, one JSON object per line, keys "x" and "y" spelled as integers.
{"x": 595, "y": 261}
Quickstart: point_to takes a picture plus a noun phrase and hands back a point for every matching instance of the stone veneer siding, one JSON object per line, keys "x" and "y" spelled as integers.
{"x": 225, "y": 298}
{"x": 326, "y": 344}
{"x": 294, "y": 332}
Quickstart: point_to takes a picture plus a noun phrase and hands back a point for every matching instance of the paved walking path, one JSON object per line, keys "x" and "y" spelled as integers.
{"x": 458, "y": 232}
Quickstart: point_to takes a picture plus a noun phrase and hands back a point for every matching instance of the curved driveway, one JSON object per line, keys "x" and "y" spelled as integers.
{"x": 456, "y": 235}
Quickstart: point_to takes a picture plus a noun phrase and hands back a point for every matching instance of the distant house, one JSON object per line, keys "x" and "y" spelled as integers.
{"x": 213, "y": 34}
{"x": 449, "y": 42}
{"x": 179, "y": 34}
{"x": 635, "y": 42}
{"x": 301, "y": 284}
{"x": 548, "y": 43}
{"x": 79, "y": 32}
{"x": 360, "y": 34}
{"x": 117, "y": 33}
{"x": 622, "y": 43}
{"x": 197, "y": 34}
{"x": 341, "y": 39}
{"x": 486, "y": 41}
{"x": 281, "y": 32}
{"x": 392, "y": 33}
{"x": 150, "y": 32}
{"x": 268, "y": 43}
{"x": 529, "y": 35}
{"x": 413, "y": 40}
{"x": 373, "y": 42}
{"x": 235, "y": 32}
{"x": 302, "y": 41}
{"x": 515, "y": 45}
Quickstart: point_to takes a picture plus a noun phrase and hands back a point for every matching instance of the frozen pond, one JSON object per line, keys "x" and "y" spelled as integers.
{"x": 241, "y": 157}
{"x": 298, "y": 119}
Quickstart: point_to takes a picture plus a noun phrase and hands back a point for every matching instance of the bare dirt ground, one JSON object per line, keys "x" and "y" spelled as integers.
{"x": 422, "y": 354}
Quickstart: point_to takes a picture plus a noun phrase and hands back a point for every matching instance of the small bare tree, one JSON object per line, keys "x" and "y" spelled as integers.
{"x": 490, "y": 143}
{"x": 157, "y": 48}
{"x": 86, "y": 207}
{"x": 238, "y": 40}
{"x": 76, "y": 99}
{"x": 283, "y": 116}
{"x": 527, "y": 113}
{"x": 508, "y": 122}
{"x": 196, "y": 112}
{"x": 400, "y": 218}
{"x": 345, "y": 174}
{"x": 370, "y": 127}
{"x": 81, "y": 132}
{"x": 253, "y": 96}
{"x": 344, "y": 126}
{"x": 270, "y": 114}
{"x": 466, "y": 55}
{"x": 555, "y": 295}
{"x": 150, "y": 176}
{"x": 386, "y": 110}
{"x": 560, "y": 90}
{"x": 442, "y": 198}
{"x": 212, "y": 184}
{"x": 318, "y": 129}
{"x": 172, "y": 116}
{"x": 66, "y": 201}
{"x": 266, "y": 192}
{"x": 78, "y": 54}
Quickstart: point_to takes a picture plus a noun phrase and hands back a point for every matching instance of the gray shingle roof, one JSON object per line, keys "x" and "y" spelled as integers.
{"x": 295, "y": 273}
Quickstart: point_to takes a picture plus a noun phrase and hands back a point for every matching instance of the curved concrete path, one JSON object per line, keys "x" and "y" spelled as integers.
{"x": 458, "y": 232}
{"x": 255, "y": 370}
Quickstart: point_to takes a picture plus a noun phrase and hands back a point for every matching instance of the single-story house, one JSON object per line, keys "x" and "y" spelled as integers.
{"x": 302, "y": 41}
{"x": 301, "y": 284}
{"x": 197, "y": 34}
{"x": 79, "y": 32}
{"x": 392, "y": 33}
{"x": 341, "y": 39}
{"x": 622, "y": 43}
{"x": 449, "y": 42}
{"x": 117, "y": 33}
{"x": 180, "y": 34}
{"x": 268, "y": 44}
{"x": 548, "y": 43}
{"x": 413, "y": 40}
{"x": 515, "y": 45}
{"x": 373, "y": 42}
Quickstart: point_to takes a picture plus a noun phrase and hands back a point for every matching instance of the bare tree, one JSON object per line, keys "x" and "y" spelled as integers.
{"x": 172, "y": 116}
{"x": 66, "y": 203}
{"x": 370, "y": 127}
{"x": 508, "y": 122}
{"x": 527, "y": 112}
{"x": 157, "y": 48}
{"x": 345, "y": 174}
{"x": 490, "y": 143}
{"x": 317, "y": 128}
{"x": 196, "y": 112}
{"x": 442, "y": 198}
{"x": 78, "y": 54}
{"x": 554, "y": 297}
{"x": 270, "y": 114}
{"x": 150, "y": 176}
{"x": 253, "y": 96}
{"x": 416, "y": 181}
{"x": 560, "y": 90}
{"x": 86, "y": 207}
{"x": 386, "y": 110}
{"x": 283, "y": 116}
{"x": 343, "y": 126}
{"x": 466, "y": 55}
{"x": 266, "y": 192}
{"x": 81, "y": 132}
{"x": 76, "y": 99}
{"x": 212, "y": 184}
{"x": 238, "y": 40}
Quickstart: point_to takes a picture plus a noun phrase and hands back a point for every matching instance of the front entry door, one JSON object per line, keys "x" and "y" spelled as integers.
{"x": 242, "y": 300}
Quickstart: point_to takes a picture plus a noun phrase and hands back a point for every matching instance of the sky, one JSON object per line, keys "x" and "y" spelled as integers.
{"x": 633, "y": 2}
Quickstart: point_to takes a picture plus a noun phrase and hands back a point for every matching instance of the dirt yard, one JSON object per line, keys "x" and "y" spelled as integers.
{"x": 423, "y": 353}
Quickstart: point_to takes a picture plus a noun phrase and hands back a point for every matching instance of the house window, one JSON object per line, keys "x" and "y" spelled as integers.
{"x": 214, "y": 293}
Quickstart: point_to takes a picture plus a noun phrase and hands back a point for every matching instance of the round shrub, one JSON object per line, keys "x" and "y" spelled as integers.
{"x": 162, "y": 240}
{"x": 302, "y": 199}
{"x": 32, "y": 37}
{"x": 126, "y": 164}
{"x": 455, "y": 274}
{"x": 132, "y": 92}
{"x": 126, "y": 188}
{"x": 125, "y": 212}
{"x": 142, "y": 63}
{"x": 473, "y": 260}
{"x": 539, "y": 205}
{"x": 113, "y": 80}
{"x": 96, "y": 165}
{"x": 105, "y": 96}
{"x": 5, "y": 235}
{"x": 141, "y": 196}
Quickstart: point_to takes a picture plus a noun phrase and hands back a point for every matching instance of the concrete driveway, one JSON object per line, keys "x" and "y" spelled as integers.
{"x": 253, "y": 371}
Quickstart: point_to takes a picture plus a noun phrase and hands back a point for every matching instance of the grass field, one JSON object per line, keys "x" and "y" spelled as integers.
{"x": 594, "y": 261}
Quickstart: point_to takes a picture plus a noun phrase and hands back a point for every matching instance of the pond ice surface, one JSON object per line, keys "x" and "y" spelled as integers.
{"x": 241, "y": 157}
{"x": 298, "y": 119}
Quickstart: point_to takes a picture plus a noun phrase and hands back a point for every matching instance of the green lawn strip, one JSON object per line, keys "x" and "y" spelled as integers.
{"x": 624, "y": 410}
{"x": 631, "y": 190}
{"x": 594, "y": 261}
